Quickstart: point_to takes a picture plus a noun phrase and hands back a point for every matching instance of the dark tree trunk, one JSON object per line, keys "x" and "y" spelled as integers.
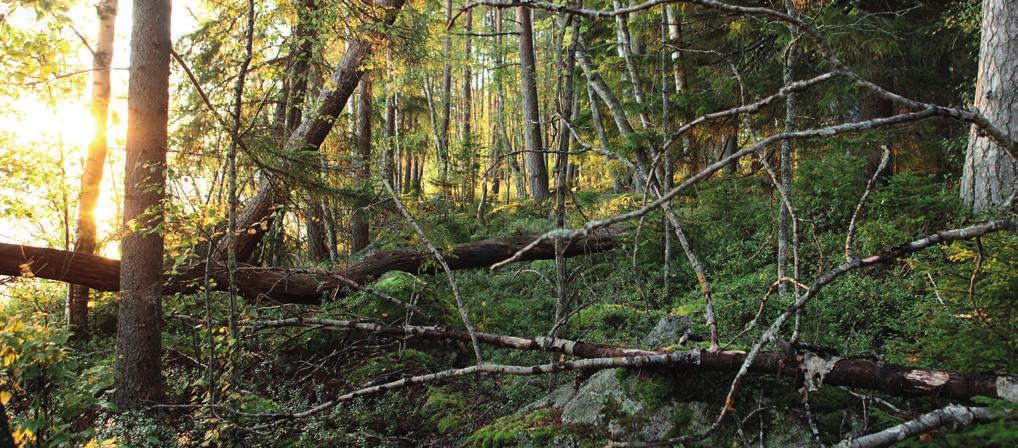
{"x": 6, "y": 438}
{"x": 77, "y": 297}
{"x": 359, "y": 232}
{"x": 729, "y": 146}
{"x": 537, "y": 169}
{"x": 284, "y": 285}
{"x": 391, "y": 163}
{"x": 892, "y": 379}
{"x": 138, "y": 376}
{"x": 317, "y": 234}
{"x": 303, "y": 53}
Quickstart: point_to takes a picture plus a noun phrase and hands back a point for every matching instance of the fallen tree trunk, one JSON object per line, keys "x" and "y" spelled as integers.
{"x": 76, "y": 268}
{"x": 287, "y": 285}
{"x": 856, "y": 373}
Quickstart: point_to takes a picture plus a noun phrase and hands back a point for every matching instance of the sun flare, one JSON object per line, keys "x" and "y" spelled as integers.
{"x": 50, "y": 129}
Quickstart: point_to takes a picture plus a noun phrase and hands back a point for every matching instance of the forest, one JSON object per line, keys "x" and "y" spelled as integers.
{"x": 509, "y": 223}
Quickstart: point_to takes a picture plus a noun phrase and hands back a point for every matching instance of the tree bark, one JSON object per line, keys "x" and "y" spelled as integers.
{"x": 950, "y": 415}
{"x": 990, "y": 175}
{"x": 138, "y": 376}
{"x": 892, "y": 379}
{"x": 537, "y": 169}
{"x": 443, "y": 132}
{"x": 467, "y": 138}
{"x": 77, "y": 297}
{"x": 283, "y": 285}
{"x": 675, "y": 37}
{"x": 360, "y": 231}
{"x": 391, "y": 156}
{"x": 303, "y": 54}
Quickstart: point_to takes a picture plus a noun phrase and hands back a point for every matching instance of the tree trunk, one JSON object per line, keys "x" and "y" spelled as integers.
{"x": 303, "y": 52}
{"x": 892, "y": 379}
{"x": 6, "y": 438}
{"x": 284, "y": 285}
{"x": 359, "y": 232}
{"x": 498, "y": 135}
{"x": 537, "y": 169}
{"x": 675, "y": 38}
{"x": 729, "y": 146}
{"x": 138, "y": 376}
{"x": 304, "y": 36}
{"x": 624, "y": 48}
{"x": 785, "y": 168}
{"x": 77, "y": 297}
{"x": 990, "y": 175}
{"x": 467, "y": 138}
{"x": 443, "y": 132}
{"x": 391, "y": 163}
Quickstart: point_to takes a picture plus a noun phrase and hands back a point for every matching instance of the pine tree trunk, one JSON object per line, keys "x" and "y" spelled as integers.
{"x": 468, "y": 175}
{"x": 77, "y": 297}
{"x": 443, "y": 132}
{"x": 138, "y": 377}
{"x": 537, "y": 169}
{"x": 304, "y": 36}
{"x": 990, "y": 175}
{"x": 359, "y": 234}
{"x": 785, "y": 168}
{"x": 391, "y": 163}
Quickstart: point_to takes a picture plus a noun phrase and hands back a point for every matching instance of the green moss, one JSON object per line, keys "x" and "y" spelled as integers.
{"x": 539, "y": 428}
{"x": 447, "y": 409}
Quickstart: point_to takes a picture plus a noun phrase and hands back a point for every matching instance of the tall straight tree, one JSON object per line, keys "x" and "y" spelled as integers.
{"x": 537, "y": 169}
{"x": 360, "y": 233}
{"x": 305, "y": 37}
{"x": 467, "y": 137}
{"x": 443, "y": 132}
{"x": 138, "y": 377}
{"x": 990, "y": 175}
{"x": 77, "y": 297}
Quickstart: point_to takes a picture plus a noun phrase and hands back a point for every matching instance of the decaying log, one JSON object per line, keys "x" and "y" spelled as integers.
{"x": 891, "y": 379}
{"x": 287, "y": 285}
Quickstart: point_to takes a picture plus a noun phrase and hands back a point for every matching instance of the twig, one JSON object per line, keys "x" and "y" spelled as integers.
{"x": 862, "y": 201}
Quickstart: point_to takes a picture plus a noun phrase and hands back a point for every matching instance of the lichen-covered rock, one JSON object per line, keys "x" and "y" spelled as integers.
{"x": 667, "y": 331}
{"x": 587, "y": 406}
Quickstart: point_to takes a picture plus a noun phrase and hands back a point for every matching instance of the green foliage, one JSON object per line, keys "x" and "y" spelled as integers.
{"x": 827, "y": 189}
{"x": 49, "y": 388}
